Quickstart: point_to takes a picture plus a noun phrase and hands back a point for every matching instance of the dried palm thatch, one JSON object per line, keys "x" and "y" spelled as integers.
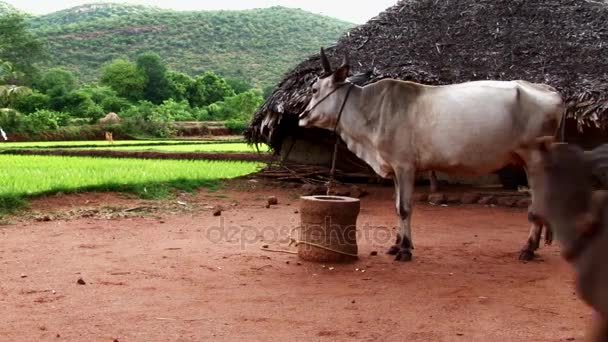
{"x": 110, "y": 118}
{"x": 563, "y": 43}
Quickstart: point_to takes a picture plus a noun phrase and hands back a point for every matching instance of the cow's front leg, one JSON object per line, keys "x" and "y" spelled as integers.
{"x": 533, "y": 242}
{"x": 404, "y": 186}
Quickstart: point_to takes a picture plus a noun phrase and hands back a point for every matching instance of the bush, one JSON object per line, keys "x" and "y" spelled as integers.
{"x": 114, "y": 104}
{"x": 31, "y": 103}
{"x": 177, "y": 111}
{"x": 42, "y": 121}
{"x": 237, "y": 126}
{"x": 239, "y": 107}
{"x": 10, "y": 119}
{"x": 146, "y": 119}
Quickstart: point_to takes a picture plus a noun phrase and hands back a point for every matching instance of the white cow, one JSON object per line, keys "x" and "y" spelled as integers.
{"x": 400, "y": 127}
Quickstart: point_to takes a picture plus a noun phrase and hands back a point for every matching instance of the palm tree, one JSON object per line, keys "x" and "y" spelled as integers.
{"x": 9, "y": 92}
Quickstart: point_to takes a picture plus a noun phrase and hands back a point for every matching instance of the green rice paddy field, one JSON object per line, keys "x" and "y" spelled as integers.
{"x": 26, "y": 176}
{"x": 141, "y": 145}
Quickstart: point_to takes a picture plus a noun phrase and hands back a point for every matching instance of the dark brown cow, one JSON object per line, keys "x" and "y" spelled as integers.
{"x": 577, "y": 215}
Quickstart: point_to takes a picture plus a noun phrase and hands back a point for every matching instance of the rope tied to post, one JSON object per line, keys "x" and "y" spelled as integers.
{"x": 332, "y": 170}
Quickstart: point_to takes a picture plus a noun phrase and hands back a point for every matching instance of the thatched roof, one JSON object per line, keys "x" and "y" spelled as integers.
{"x": 110, "y": 118}
{"x": 563, "y": 43}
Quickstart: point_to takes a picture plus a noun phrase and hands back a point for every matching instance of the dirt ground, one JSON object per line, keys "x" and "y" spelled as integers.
{"x": 171, "y": 271}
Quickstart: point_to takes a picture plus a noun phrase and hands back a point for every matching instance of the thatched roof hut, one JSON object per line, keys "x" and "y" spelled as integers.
{"x": 563, "y": 43}
{"x": 110, "y": 118}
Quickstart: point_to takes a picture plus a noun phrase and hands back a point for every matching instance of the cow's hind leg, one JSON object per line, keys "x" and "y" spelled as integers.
{"x": 404, "y": 186}
{"x": 433, "y": 180}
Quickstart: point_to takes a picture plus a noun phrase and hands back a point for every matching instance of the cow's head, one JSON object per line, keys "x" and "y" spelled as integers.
{"x": 327, "y": 94}
{"x": 562, "y": 184}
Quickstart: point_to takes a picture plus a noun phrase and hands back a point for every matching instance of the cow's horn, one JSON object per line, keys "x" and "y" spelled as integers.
{"x": 346, "y": 60}
{"x": 325, "y": 62}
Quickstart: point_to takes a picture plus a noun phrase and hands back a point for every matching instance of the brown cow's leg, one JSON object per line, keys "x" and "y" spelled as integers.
{"x": 599, "y": 330}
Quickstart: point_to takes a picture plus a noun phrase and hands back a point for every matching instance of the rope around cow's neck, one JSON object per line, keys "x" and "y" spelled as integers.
{"x": 332, "y": 171}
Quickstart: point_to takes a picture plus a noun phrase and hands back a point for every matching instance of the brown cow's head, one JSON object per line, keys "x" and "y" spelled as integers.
{"x": 327, "y": 95}
{"x": 562, "y": 184}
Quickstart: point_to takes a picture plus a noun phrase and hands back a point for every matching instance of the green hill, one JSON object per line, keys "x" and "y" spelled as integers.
{"x": 256, "y": 45}
{"x": 7, "y": 8}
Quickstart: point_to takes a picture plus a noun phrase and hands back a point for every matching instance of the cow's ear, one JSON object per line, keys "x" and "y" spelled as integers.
{"x": 544, "y": 143}
{"x": 341, "y": 74}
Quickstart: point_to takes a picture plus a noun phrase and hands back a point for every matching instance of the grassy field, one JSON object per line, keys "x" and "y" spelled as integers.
{"x": 104, "y": 143}
{"x": 141, "y": 145}
{"x": 26, "y": 176}
{"x": 217, "y": 147}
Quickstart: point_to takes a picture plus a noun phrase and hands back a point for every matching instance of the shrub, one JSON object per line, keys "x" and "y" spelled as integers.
{"x": 177, "y": 111}
{"x": 145, "y": 118}
{"x": 10, "y": 119}
{"x": 31, "y": 103}
{"x": 42, "y": 121}
{"x": 237, "y": 126}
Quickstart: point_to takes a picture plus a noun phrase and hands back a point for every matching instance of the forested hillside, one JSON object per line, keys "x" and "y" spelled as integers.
{"x": 254, "y": 45}
{"x": 7, "y": 8}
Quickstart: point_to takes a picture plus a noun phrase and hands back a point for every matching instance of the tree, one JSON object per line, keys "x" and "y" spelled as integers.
{"x": 267, "y": 91}
{"x": 238, "y": 108}
{"x": 56, "y": 82}
{"x": 208, "y": 88}
{"x": 9, "y": 93}
{"x": 19, "y": 47}
{"x": 29, "y": 103}
{"x": 179, "y": 83}
{"x": 156, "y": 85}
{"x": 238, "y": 85}
{"x": 124, "y": 77}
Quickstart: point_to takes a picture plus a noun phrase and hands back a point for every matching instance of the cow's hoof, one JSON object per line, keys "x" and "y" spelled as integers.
{"x": 393, "y": 250}
{"x": 403, "y": 255}
{"x": 526, "y": 255}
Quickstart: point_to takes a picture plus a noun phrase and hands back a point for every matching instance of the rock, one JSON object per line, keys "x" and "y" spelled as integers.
{"x": 80, "y": 281}
{"x": 357, "y": 192}
{"x": 23, "y": 275}
{"x": 418, "y": 197}
{"x": 454, "y": 199}
{"x": 506, "y": 201}
{"x": 296, "y": 211}
{"x": 373, "y": 253}
{"x": 524, "y": 203}
{"x": 312, "y": 190}
{"x": 267, "y": 206}
{"x": 469, "y": 198}
{"x": 487, "y": 200}
{"x": 272, "y": 200}
{"x": 217, "y": 211}
{"x": 339, "y": 191}
{"x": 437, "y": 199}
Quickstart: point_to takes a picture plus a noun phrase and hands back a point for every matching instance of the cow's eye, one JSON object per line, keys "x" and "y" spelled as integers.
{"x": 314, "y": 90}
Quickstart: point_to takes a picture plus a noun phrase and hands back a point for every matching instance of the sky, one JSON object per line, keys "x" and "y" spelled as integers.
{"x": 355, "y": 11}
